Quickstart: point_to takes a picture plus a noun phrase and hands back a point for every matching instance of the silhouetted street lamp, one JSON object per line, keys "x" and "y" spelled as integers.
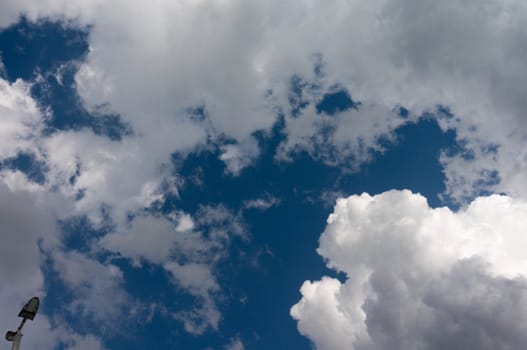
{"x": 28, "y": 312}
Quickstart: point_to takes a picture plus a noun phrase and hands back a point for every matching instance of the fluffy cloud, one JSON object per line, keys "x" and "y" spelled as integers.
{"x": 92, "y": 170}
{"x": 229, "y": 55}
{"x": 125, "y": 176}
{"x": 236, "y": 58}
{"x": 86, "y": 172}
{"x": 418, "y": 277}
{"x": 239, "y": 156}
{"x": 345, "y": 138}
{"x": 21, "y": 121}
{"x": 28, "y": 214}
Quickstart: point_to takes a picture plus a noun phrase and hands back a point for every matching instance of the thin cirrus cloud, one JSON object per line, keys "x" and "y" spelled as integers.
{"x": 419, "y": 277}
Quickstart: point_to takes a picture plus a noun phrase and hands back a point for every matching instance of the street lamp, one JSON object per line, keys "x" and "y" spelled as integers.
{"x": 28, "y": 312}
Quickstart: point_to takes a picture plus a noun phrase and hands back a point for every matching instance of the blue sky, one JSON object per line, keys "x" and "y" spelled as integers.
{"x": 234, "y": 175}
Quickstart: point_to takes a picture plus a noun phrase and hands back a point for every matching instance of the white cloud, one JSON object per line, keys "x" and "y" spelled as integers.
{"x": 235, "y": 344}
{"x": 239, "y": 156}
{"x": 227, "y": 55}
{"x": 98, "y": 290}
{"x": 28, "y": 231}
{"x": 406, "y": 52}
{"x": 197, "y": 280}
{"x": 148, "y": 238}
{"x": 82, "y": 162}
{"x": 349, "y": 137}
{"x": 21, "y": 121}
{"x": 24, "y": 223}
{"x": 417, "y": 54}
{"x": 193, "y": 266}
{"x": 41, "y": 334}
{"x": 28, "y": 213}
{"x": 221, "y": 223}
{"x": 126, "y": 176}
{"x": 2, "y": 68}
{"x": 495, "y": 160}
{"x": 418, "y": 277}
{"x": 230, "y": 73}
{"x": 195, "y": 277}
{"x": 88, "y": 342}
{"x": 188, "y": 249}
{"x": 76, "y": 162}
{"x": 263, "y": 203}
{"x": 159, "y": 239}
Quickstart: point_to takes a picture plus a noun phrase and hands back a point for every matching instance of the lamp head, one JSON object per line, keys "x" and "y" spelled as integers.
{"x": 29, "y": 310}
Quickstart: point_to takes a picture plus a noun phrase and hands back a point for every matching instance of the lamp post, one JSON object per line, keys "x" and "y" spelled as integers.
{"x": 28, "y": 312}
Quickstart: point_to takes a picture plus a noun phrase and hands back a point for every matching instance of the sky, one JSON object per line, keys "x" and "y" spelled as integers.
{"x": 238, "y": 175}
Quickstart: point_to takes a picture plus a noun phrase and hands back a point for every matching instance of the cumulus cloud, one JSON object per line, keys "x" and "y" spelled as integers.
{"x": 237, "y": 58}
{"x": 21, "y": 121}
{"x": 125, "y": 176}
{"x": 418, "y": 277}
{"x": 81, "y": 168}
{"x": 91, "y": 170}
{"x": 406, "y": 52}
{"x": 403, "y": 53}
